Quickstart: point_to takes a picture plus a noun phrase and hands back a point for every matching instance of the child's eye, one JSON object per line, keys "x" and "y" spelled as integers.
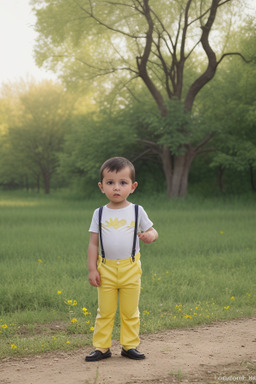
{"x": 110, "y": 182}
{"x": 123, "y": 183}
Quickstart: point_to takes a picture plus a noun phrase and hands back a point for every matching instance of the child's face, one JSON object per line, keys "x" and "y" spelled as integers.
{"x": 117, "y": 186}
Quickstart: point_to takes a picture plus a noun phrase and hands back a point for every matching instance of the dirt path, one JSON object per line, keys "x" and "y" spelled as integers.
{"x": 218, "y": 353}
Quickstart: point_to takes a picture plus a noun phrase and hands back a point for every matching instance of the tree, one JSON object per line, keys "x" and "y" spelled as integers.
{"x": 158, "y": 42}
{"x": 230, "y": 102}
{"x": 12, "y": 172}
{"x": 36, "y": 129}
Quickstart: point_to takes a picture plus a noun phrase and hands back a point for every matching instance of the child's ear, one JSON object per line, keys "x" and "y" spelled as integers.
{"x": 101, "y": 187}
{"x": 134, "y": 186}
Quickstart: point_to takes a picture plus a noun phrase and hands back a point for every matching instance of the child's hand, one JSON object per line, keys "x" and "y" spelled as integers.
{"x": 94, "y": 278}
{"x": 149, "y": 236}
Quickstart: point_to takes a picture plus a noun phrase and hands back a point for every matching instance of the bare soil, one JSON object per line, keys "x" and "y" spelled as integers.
{"x": 218, "y": 353}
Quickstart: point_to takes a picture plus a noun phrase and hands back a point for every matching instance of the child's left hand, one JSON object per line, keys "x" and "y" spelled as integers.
{"x": 149, "y": 236}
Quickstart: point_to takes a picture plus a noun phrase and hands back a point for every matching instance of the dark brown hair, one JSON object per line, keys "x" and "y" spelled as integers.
{"x": 117, "y": 164}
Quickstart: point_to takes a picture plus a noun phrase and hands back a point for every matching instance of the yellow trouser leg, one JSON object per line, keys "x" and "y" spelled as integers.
{"x": 107, "y": 304}
{"x": 123, "y": 278}
{"x": 130, "y": 317}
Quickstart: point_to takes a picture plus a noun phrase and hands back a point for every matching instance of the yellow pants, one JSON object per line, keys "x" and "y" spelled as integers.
{"x": 119, "y": 278}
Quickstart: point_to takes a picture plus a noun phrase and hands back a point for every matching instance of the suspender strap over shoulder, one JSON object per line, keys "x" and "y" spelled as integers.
{"x": 100, "y": 233}
{"x": 136, "y": 209}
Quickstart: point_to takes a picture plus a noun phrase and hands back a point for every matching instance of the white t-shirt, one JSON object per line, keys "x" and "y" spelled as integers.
{"x": 118, "y": 230}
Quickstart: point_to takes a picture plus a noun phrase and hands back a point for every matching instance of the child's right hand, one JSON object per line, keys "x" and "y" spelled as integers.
{"x": 94, "y": 278}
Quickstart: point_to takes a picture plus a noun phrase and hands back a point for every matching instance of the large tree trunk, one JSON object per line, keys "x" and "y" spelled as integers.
{"x": 176, "y": 169}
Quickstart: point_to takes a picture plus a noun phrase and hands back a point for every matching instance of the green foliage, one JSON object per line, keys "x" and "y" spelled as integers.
{"x": 90, "y": 142}
{"x": 176, "y": 130}
{"x": 230, "y": 102}
{"x": 35, "y": 133}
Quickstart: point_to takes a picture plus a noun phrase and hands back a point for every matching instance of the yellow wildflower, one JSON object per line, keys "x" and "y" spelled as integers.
{"x": 74, "y": 320}
{"x": 13, "y": 346}
{"x": 4, "y": 326}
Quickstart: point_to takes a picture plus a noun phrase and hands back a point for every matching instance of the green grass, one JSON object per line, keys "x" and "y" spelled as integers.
{"x": 202, "y": 268}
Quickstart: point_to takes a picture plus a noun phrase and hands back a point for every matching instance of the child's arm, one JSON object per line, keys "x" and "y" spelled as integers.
{"x": 94, "y": 276}
{"x": 149, "y": 236}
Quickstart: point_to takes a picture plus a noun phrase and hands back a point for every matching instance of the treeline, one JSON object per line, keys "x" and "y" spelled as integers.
{"x": 171, "y": 88}
{"x": 51, "y": 137}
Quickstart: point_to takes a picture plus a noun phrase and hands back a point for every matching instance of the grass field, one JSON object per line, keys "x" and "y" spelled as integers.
{"x": 202, "y": 268}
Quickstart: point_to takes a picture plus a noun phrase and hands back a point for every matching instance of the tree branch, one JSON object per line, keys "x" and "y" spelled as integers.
{"x": 105, "y": 71}
{"x": 164, "y": 67}
{"x": 202, "y": 80}
{"x": 154, "y": 146}
{"x": 100, "y": 22}
{"x": 141, "y": 155}
{"x": 143, "y": 60}
{"x": 181, "y": 62}
{"x": 235, "y": 54}
{"x": 203, "y": 142}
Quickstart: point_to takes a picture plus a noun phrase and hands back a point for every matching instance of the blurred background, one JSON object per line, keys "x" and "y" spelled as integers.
{"x": 168, "y": 84}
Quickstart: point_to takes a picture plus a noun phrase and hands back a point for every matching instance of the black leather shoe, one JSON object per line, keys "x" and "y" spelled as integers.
{"x": 132, "y": 354}
{"x": 98, "y": 355}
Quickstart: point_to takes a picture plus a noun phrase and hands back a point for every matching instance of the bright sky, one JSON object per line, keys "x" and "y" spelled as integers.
{"x": 17, "y": 39}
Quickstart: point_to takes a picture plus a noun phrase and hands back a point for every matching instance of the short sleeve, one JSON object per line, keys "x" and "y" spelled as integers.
{"x": 94, "y": 227}
{"x": 144, "y": 222}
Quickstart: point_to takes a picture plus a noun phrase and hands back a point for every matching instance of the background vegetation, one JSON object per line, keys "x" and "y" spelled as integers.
{"x": 178, "y": 99}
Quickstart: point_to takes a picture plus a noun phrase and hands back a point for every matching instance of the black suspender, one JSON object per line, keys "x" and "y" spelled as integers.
{"x": 136, "y": 209}
{"x": 100, "y": 233}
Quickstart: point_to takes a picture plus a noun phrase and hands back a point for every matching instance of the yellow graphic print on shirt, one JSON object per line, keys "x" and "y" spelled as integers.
{"x": 116, "y": 224}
